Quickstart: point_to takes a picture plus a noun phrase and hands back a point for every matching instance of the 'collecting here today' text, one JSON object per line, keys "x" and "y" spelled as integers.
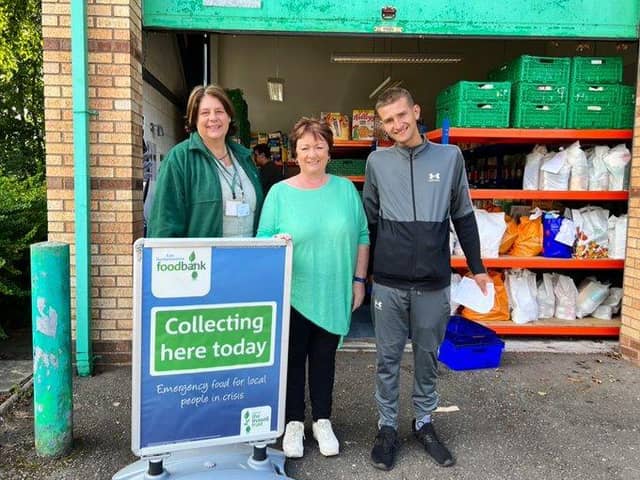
{"x": 211, "y": 337}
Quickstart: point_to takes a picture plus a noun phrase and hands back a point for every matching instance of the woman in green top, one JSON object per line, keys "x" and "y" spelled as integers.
{"x": 208, "y": 186}
{"x": 324, "y": 217}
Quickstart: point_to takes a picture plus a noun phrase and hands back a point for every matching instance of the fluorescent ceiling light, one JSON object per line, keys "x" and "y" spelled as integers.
{"x": 394, "y": 58}
{"x": 380, "y": 87}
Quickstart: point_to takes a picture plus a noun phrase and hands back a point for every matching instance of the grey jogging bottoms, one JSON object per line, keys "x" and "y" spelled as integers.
{"x": 397, "y": 313}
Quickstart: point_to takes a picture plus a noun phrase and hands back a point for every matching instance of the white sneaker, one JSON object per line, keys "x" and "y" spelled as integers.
{"x": 327, "y": 440}
{"x": 292, "y": 441}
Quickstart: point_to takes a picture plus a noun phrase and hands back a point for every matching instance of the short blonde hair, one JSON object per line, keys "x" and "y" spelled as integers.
{"x": 393, "y": 94}
{"x": 193, "y": 104}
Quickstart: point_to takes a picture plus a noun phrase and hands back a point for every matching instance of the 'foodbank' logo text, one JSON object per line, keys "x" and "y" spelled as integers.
{"x": 194, "y": 266}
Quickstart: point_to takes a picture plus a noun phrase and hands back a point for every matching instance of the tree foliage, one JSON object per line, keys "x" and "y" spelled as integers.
{"x": 21, "y": 88}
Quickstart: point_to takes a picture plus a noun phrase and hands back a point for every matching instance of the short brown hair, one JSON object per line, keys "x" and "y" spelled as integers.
{"x": 314, "y": 126}
{"x": 193, "y": 105}
{"x": 393, "y": 94}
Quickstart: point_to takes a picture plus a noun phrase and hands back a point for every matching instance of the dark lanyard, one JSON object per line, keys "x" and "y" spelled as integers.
{"x": 226, "y": 175}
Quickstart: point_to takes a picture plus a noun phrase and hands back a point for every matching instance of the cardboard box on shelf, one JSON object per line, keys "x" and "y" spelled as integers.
{"x": 362, "y": 124}
{"x": 338, "y": 123}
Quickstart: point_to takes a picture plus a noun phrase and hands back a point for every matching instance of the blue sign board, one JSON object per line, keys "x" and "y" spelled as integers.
{"x": 211, "y": 326}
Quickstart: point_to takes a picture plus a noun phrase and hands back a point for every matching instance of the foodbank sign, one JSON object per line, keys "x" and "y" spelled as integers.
{"x": 211, "y": 337}
{"x": 181, "y": 272}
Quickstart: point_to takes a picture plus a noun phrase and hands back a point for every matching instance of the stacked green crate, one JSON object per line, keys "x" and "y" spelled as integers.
{"x": 346, "y": 166}
{"x": 539, "y": 90}
{"x": 595, "y": 95}
{"x": 474, "y": 104}
{"x": 627, "y": 107}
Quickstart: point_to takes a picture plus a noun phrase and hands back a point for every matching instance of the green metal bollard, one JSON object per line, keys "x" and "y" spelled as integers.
{"x": 51, "y": 326}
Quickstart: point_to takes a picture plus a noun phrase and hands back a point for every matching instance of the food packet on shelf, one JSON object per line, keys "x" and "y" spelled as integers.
{"x": 531, "y": 177}
{"x": 522, "y": 291}
{"x": 528, "y": 243}
{"x": 577, "y": 160}
{"x": 545, "y": 296}
{"x": 555, "y": 171}
{"x": 552, "y": 224}
{"x": 592, "y": 224}
{"x": 617, "y": 160}
{"x": 617, "y": 233}
{"x": 598, "y": 172}
{"x": 611, "y": 305}
{"x": 591, "y": 293}
{"x": 500, "y": 310}
{"x": 566, "y": 295}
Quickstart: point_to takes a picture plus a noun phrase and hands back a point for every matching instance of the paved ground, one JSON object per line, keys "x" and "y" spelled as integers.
{"x": 539, "y": 416}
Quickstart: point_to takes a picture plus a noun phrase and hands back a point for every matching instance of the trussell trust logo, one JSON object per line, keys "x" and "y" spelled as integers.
{"x": 181, "y": 272}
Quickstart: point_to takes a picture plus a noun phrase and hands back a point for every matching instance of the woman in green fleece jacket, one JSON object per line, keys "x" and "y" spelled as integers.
{"x": 208, "y": 186}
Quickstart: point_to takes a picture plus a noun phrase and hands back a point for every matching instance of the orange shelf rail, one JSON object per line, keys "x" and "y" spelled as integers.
{"x": 356, "y": 144}
{"x": 491, "y": 194}
{"x": 525, "y": 135}
{"x": 543, "y": 262}
{"x": 555, "y": 327}
{"x": 356, "y": 178}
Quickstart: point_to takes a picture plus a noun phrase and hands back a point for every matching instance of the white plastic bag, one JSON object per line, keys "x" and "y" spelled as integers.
{"x": 555, "y": 171}
{"x": 577, "y": 160}
{"x": 545, "y": 296}
{"x": 566, "y": 295}
{"x": 610, "y": 306}
{"x": 522, "y": 291}
{"x": 598, "y": 172}
{"x": 617, "y": 236}
{"x": 591, "y": 293}
{"x": 617, "y": 160}
{"x": 491, "y": 227}
{"x": 592, "y": 225}
{"x": 531, "y": 177}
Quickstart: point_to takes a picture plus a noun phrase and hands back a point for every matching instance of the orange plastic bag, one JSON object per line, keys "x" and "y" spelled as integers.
{"x": 529, "y": 240}
{"x": 510, "y": 235}
{"x": 500, "y": 310}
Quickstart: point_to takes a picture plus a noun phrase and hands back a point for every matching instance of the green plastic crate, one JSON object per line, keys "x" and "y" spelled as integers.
{"x": 627, "y": 95}
{"x": 596, "y": 69}
{"x": 474, "y": 114}
{"x": 346, "y": 166}
{"x": 534, "y": 115}
{"x": 539, "y": 93}
{"x": 584, "y": 115}
{"x": 474, "y": 92}
{"x": 625, "y": 115}
{"x": 594, "y": 94}
{"x": 527, "y": 68}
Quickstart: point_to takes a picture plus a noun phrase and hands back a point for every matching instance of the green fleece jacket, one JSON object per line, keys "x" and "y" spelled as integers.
{"x": 188, "y": 197}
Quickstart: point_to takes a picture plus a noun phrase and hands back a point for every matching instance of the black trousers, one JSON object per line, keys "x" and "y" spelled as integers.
{"x": 307, "y": 341}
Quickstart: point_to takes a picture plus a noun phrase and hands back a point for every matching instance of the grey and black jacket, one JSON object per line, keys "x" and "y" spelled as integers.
{"x": 410, "y": 195}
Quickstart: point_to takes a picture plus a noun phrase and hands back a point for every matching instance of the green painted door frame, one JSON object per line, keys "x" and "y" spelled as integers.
{"x": 586, "y": 19}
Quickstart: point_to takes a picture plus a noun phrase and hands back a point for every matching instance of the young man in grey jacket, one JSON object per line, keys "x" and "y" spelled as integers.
{"x": 411, "y": 192}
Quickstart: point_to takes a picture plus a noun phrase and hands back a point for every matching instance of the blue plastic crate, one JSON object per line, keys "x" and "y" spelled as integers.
{"x": 468, "y": 345}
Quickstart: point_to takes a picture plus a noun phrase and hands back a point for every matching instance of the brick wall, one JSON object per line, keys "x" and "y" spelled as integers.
{"x": 115, "y": 93}
{"x": 630, "y": 331}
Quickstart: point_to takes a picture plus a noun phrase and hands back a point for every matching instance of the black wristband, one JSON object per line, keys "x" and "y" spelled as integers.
{"x": 359, "y": 279}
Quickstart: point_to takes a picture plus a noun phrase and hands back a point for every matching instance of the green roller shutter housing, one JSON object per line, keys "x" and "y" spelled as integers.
{"x": 590, "y": 19}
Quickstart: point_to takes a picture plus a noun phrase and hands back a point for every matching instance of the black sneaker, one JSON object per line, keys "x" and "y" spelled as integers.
{"x": 384, "y": 450}
{"x": 432, "y": 444}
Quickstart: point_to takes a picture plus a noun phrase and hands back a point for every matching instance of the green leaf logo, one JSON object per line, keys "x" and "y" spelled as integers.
{"x": 246, "y": 415}
{"x": 194, "y": 275}
{"x": 248, "y": 429}
{"x": 192, "y": 257}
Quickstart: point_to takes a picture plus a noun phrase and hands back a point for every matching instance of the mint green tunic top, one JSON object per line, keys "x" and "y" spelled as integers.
{"x": 326, "y": 225}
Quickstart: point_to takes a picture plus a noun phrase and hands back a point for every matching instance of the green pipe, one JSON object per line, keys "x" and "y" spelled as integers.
{"x": 51, "y": 331}
{"x": 79, "y": 62}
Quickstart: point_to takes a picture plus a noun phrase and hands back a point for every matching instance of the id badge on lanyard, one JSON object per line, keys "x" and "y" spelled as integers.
{"x": 236, "y": 208}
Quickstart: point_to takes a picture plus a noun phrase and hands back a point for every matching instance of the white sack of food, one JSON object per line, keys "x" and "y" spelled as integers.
{"x": 591, "y": 293}
{"x": 555, "y": 171}
{"x": 617, "y": 236}
{"x": 522, "y": 292}
{"x": 455, "y": 280}
{"x": 617, "y": 161}
{"x": 566, "y": 295}
{"x": 577, "y": 160}
{"x": 531, "y": 177}
{"x": 491, "y": 227}
{"x": 592, "y": 227}
{"x": 598, "y": 172}
{"x": 545, "y": 297}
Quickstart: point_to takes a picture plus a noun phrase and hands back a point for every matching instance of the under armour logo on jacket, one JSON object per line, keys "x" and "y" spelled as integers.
{"x": 434, "y": 177}
{"x": 377, "y": 304}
